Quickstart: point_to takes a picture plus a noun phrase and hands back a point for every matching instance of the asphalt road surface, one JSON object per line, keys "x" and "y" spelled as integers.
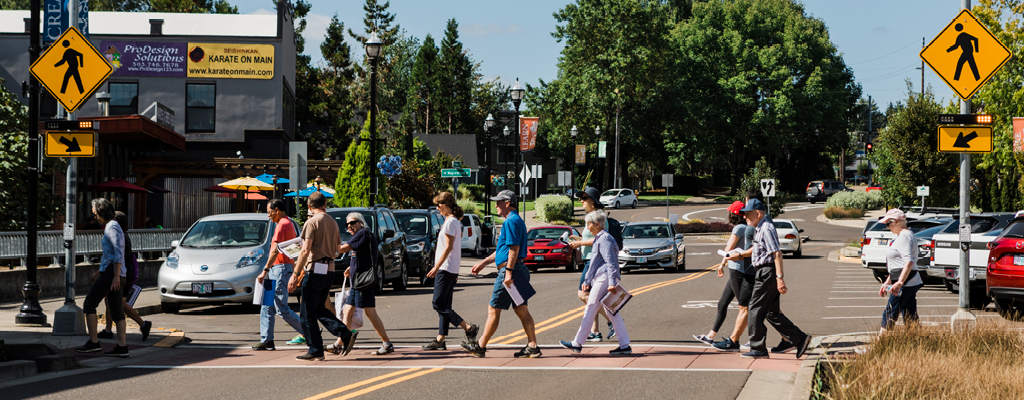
{"x": 826, "y": 297}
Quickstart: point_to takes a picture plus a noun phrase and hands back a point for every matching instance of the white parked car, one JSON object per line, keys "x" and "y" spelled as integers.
{"x": 618, "y": 198}
{"x": 472, "y": 234}
{"x": 946, "y": 256}
{"x": 790, "y": 238}
{"x": 876, "y": 242}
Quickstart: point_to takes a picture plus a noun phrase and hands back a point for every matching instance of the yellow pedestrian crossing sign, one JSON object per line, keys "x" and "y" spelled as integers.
{"x": 71, "y": 144}
{"x": 71, "y": 69}
{"x": 965, "y": 54}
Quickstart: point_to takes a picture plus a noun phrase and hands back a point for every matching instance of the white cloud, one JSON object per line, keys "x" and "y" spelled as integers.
{"x": 264, "y": 11}
{"x": 476, "y": 29}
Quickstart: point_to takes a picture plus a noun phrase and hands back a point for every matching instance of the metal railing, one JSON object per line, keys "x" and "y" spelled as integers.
{"x": 13, "y": 245}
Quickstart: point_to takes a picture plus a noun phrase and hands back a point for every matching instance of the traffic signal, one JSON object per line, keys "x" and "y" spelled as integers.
{"x": 870, "y": 147}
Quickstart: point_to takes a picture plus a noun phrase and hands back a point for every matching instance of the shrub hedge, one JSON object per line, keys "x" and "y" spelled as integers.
{"x": 553, "y": 208}
{"x": 843, "y": 213}
{"x": 704, "y": 227}
{"x": 858, "y": 200}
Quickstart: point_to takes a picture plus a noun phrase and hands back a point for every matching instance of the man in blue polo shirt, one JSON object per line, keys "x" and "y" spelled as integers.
{"x": 512, "y": 277}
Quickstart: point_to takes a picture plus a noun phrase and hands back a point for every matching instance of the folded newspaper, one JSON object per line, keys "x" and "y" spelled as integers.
{"x": 614, "y": 302}
{"x": 729, "y": 254}
{"x": 291, "y": 248}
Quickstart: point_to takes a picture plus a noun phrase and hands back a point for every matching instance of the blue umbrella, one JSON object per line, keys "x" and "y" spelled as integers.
{"x": 269, "y": 179}
{"x": 308, "y": 191}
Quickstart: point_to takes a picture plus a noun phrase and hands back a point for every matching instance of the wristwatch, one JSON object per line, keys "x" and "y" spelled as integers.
{"x": 266, "y": 269}
{"x": 778, "y": 277}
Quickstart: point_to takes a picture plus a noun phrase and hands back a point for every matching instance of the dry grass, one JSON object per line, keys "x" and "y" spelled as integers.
{"x": 917, "y": 362}
{"x": 843, "y": 213}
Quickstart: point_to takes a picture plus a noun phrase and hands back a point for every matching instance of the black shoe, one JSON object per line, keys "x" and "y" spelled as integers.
{"x": 472, "y": 332}
{"x": 105, "y": 334}
{"x": 621, "y": 351}
{"x": 89, "y": 347}
{"x": 570, "y": 346}
{"x": 783, "y": 347}
{"x": 310, "y": 357}
{"x": 475, "y": 349}
{"x": 435, "y": 345}
{"x": 754, "y": 354}
{"x": 350, "y": 343}
{"x": 803, "y": 346}
{"x": 146, "y": 326}
{"x": 118, "y": 351}
{"x": 528, "y": 352}
{"x": 726, "y": 345}
{"x": 264, "y": 346}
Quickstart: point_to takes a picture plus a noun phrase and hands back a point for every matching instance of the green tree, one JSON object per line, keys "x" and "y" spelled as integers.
{"x": 455, "y": 84}
{"x": 752, "y": 181}
{"x": 352, "y": 187}
{"x": 425, "y": 97}
{"x": 906, "y": 155}
{"x": 14, "y": 170}
{"x": 192, "y": 6}
{"x": 330, "y": 100}
{"x": 413, "y": 188}
{"x": 759, "y": 78}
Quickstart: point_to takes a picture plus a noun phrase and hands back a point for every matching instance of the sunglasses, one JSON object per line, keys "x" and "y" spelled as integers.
{"x": 350, "y": 223}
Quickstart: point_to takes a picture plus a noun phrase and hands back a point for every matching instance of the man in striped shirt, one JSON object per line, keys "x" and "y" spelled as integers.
{"x": 768, "y": 286}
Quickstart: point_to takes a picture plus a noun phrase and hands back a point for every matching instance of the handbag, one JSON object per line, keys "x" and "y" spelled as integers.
{"x": 367, "y": 279}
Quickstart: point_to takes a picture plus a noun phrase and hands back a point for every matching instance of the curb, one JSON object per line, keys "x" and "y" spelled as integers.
{"x": 803, "y": 385}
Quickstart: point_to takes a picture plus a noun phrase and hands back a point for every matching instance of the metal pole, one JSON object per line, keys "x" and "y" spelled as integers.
{"x": 517, "y": 152}
{"x": 31, "y": 312}
{"x": 615, "y": 168}
{"x": 487, "y": 160}
{"x": 572, "y": 179}
{"x": 963, "y": 317}
{"x": 373, "y": 131}
{"x": 922, "y": 71}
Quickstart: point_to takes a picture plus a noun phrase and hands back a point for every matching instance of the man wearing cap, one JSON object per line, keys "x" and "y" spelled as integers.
{"x": 590, "y": 199}
{"x": 513, "y": 277}
{"x": 768, "y": 286}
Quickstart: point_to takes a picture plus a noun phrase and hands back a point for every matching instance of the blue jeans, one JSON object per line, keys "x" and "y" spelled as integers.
{"x": 280, "y": 274}
{"x": 315, "y": 289}
{"x": 444, "y": 288}
{"x": 905, "y": 304}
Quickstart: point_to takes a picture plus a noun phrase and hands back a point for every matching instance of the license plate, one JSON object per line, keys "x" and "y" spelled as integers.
{"x": 1018, "y": 259}
{"x": 641, "y": 260}
{"x": 883, "y": 241}
{"x": 538, "y": 258}
{"x": 202, "y": 287}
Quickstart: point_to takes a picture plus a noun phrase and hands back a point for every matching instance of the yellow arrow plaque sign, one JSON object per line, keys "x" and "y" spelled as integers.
{"x": 71, "y": 144}
{"x": 965, "y": 139}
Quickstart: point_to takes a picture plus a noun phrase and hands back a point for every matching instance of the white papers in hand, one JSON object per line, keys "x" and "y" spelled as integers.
{"x": 517, "y": 298}
{"x": 614, "y": 302}
{"x": 729, "y": 254}
{"x": 291, "y": 248}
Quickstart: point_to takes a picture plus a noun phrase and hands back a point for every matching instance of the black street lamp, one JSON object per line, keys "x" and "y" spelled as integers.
{"x": 600, "y": 171}
{"x": 517, "y": 93}
{"x": 373, "y": 48}
{"x": 488, "y": 124}
{"x": 508, "y": 154}
{"x": 572, "y": 175}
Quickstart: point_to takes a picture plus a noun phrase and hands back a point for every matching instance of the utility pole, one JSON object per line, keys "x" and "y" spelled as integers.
{"x": 922, "y": 71}
{"x": 963, "y": 318}
{"x": 618, "y": 107}
{"x": 31, "y": 312}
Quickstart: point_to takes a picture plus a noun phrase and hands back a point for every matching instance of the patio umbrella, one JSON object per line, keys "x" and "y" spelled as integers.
{"x": 269, "y": 179}
{"x": 308, "y": 191}
{"x": 246, "y": 184}
{"x": 323, "y": 188}
{"x": 248, "y": 195}
{"x": 117, "y": 185}
{"x": 157, "y": 189}
{"x": 219, "y": 189}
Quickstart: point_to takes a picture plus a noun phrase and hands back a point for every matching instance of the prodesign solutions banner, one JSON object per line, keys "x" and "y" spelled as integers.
{"x": 145, "y": 58}
{"x": 528, "y": 133}
{"x": 226, "y": 60}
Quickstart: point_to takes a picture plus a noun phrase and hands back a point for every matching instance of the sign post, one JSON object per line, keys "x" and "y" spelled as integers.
{"x": 922, "y": 191}
{"x": 965, "y": 55}
{"x": 666, "y": 181}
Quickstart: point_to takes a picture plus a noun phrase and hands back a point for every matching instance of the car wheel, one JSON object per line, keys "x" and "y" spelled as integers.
{"x": 478, "y": 251}
{"x": 979, "y": 299}
{"x": 380, "y": 278}
{"x": 674, "y": 267}
{"x": 1007, "y": 309}
{"x": 616, "y": 205}
{"x": 402, "y": 282}
{"x": 951, "y": 287}
{"x": 880, "y": 275}
{"x": 812, "y": 201}
{"x": 571, "y": 266}
{"x": 799, "y": 251}
{"x": 634, "y": 204}
{"x": 170, "y": 308}
{"x": 532, "y": 269}
{"x": 682, "y": 267}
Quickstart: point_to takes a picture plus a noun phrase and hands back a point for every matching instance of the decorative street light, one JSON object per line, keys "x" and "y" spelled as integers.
{"x": 600, "y": 171}
{"x": 517, "y": 93}
{"x": 508, "y": 154}
{"x": 373, "y": 48}
{"x": 572, "y": 175}
{"x": 488, "y": 124}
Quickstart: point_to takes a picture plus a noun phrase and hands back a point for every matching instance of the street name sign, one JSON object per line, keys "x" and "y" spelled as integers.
{"x": 965, "y": 54}
{"x": 965, "y": 139}
{"x": 455, "y": 172}
{"x": 71, "y": 144}
{"x": 768, "y": 187}
{"x": 71, "y": 69}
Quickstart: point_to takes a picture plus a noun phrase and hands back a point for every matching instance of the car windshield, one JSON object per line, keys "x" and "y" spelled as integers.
{"x": 783, "y": 225}
{"x": 339, "y": 217}
{"x": 610, "y": 193}
{"x": 978, "y": 225}
{"x": 927, "y": 234}
{"x": 917, "y": 226}
{"x": 239, "y": 233}
{"x": 545, "y": 233}
{"x": 1014, "y": 230}
{"x": 413, "y": 224}
{"x": 645, "y": 232}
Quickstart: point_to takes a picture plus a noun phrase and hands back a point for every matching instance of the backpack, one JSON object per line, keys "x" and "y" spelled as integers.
{"x": 615, "y": 229}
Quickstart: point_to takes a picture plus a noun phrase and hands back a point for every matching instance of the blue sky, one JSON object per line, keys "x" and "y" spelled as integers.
{"x": 880, "y": 40}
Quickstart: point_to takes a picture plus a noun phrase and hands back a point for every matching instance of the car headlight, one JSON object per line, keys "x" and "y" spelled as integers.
{"x": 172, "y": 260}
{"x": 665, "y": 248}
{"x": 416, "y": 247}
{"x": 559, "y": 250}
{"x": 250, "y": 258}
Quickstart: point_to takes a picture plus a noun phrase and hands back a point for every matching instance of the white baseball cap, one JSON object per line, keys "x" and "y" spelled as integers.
{"x": 893, "y": 214}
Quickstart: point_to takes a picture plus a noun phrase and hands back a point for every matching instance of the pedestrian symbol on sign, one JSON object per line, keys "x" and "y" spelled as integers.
{"x": 968, "y": 46}
{"x": 74, "y": 60}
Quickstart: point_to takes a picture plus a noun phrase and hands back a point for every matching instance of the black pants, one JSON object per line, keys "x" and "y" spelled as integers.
{"x": 315, "y": 289}
{"x": 764, "y": 305}
{"x": 738, "y": 287}
{"x": 101, "y": 289}
{"x": 444, "y": 287}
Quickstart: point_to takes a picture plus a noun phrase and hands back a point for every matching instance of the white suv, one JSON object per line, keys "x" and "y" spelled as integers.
{"x": 876, "y": 242}
{"x": 472, "y": 234}
{"x": 946, "y": 256}
{"x": 619, "y": 197}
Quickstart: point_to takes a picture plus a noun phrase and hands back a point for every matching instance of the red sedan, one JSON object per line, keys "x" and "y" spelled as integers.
{"x": 1005, "y": 272}
{"x": 544, "y": 249}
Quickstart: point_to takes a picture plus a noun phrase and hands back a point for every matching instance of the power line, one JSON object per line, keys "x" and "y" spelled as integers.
{"x": 879, "y": 58}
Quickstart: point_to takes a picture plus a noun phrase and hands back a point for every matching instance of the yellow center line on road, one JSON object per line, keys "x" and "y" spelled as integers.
{"x": 360, "y": 383}
{"x": 386, "y": 384}
{"x": 573, "y": 312}
{"x": 577, "y": 313}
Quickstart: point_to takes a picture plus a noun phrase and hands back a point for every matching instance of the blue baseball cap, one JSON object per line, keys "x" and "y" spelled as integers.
{"x": 754, "y": 204}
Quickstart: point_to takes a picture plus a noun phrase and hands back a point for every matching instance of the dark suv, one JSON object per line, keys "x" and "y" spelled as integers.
{"x": 392, "y": 255}
{"x": 822, "y": 190}
{"x": 421, "y": 228}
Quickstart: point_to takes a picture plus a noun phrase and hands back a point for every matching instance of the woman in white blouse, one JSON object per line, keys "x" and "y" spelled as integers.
{"x": 904, "y": 280}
